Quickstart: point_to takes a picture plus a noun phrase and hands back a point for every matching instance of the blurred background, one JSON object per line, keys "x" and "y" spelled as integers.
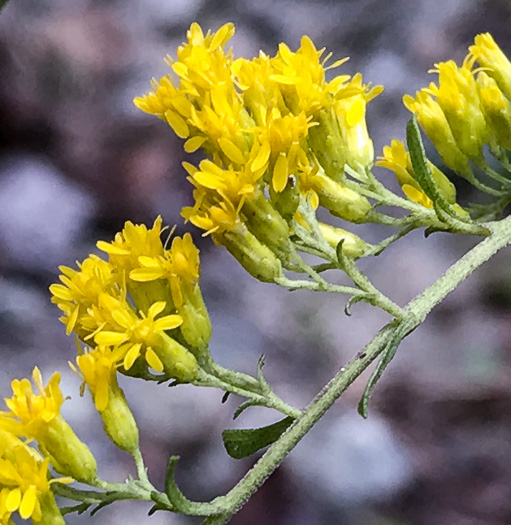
{"x": 77, "y": 159}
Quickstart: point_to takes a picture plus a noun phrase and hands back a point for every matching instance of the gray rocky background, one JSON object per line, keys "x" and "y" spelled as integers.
{"x": 77, "y": 160}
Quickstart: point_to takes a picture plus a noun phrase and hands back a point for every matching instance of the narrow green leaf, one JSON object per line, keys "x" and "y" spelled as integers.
{"x": 403, "y": 329}
{"x": 339, "y": 252}
{"x": 422, "y": 171}
{"x": 245, "y": 442}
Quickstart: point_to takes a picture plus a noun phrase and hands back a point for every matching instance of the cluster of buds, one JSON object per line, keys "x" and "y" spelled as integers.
{"x": 467, "y": 113}
{"x": 275, "y": 132}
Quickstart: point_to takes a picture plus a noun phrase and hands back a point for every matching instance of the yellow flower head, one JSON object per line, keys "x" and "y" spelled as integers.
{"x": 137, "y": 334}
{"x": 489, "y": 55}
{"x": 180, "y": 265}
{"x": 284, "y": 136}
{"x": 201, "y": 61}
{"x": 301, "y": 75}
{"x": 260, "y": 92}
{"x": 185, "y": 258}
{"x": 212, "y": 212}
{"x": 458, "y": 97}
{"x": 396, "y": 158}
{"x": 80, "y": 289}
{"x": 25, "y": 483}
{"x": 232, "y": 185}
{"x": 40, "y": 418}
{"x": 204, "y": 106}
{"x": 35, "y": 410}
{"x": 133, "y": 241}
{"x": 98, "y": 370}
{"x": 434, "y": 122}
{"x": 497, "y": 110}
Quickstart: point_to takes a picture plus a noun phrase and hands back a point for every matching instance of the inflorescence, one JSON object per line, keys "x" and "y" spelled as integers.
{"x": 279, "y": 142}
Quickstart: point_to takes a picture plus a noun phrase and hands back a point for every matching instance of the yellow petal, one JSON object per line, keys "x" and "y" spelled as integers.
{"x": 101, "y": 396}
{"x": 262, "y": 156}
{"x": 231, "y": 150}
{"x": 131, "y": 356}
{"x": 222, "y": 36}
{"x": 190, "y": 168}
{"x": 71, "y": 322}
{"x": 417, "y": 196}
{"x": 177, "y": 123}
{"x": 61, "y": 292}
{"x": 282, "y": 79}
{"x": 122, "y": 317}
{"x": 28, "y": 503}
{"x": 168, "y": 322}
{"x": 356, "y": 112}
{"x": 280, "y": 173}
{"x": 13, "y": 500}
{"x": 112, "y": 248}
{"x": 146, "y": 274}
{"x": 155, "y": 309}
{"x": 110, "y": 338}
{"x": 177, "y": 295}
{"x": 153, "y": 360}
{"x": 194, "y": 144}
{"x": 180, "y": 69}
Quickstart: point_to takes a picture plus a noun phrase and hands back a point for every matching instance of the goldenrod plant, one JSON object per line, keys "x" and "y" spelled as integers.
{"x": 278, "y": 142}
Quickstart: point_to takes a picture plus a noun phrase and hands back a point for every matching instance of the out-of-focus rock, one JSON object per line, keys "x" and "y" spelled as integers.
{"x": 347, "y": 459}
{"x": 41, "y": 214}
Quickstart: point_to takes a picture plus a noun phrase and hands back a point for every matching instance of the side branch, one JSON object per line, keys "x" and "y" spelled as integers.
{"x": 415, "y": 313}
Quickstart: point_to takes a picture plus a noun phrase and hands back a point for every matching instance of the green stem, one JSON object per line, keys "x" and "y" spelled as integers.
{"x": 415, "y": 313}
{"x": 292, "y": 284}
{"x": 141, "y": 469}
{"x": 267, "y": 398}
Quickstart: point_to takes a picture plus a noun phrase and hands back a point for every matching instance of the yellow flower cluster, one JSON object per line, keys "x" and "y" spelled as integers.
{"x": 468, "y": 109}
{"x": 127, "y": 307}
{"x": 24, "y": 477}
{"x": 141, "y": 309}
{"x": 270, "y": 126}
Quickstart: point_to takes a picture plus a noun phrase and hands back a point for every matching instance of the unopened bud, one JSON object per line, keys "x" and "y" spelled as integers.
{"x": 69, "y": 455}
{"x": 352, "y": 246}
{"x": 256, "y": 258}
{"x": 177, "y": 361}
{"x": 339, "y": 200}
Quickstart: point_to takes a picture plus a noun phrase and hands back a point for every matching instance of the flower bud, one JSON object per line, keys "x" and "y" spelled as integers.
{"x": 359, "y": 149}
{"x": 256, "y": 258}
{"x": 177, "y": 361}
{"x": 286, "y": 202}
{"x": 118, "y": 420}
{"x": 352, "y": 246}
{"x": 496, "y": 108}
{"x": 268, "y": 226}
{"x": 434, "y": 122}
{"x": 68, "y": 454}
{"x": 196, "y": 327}
{"x": 339, "y": 200}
